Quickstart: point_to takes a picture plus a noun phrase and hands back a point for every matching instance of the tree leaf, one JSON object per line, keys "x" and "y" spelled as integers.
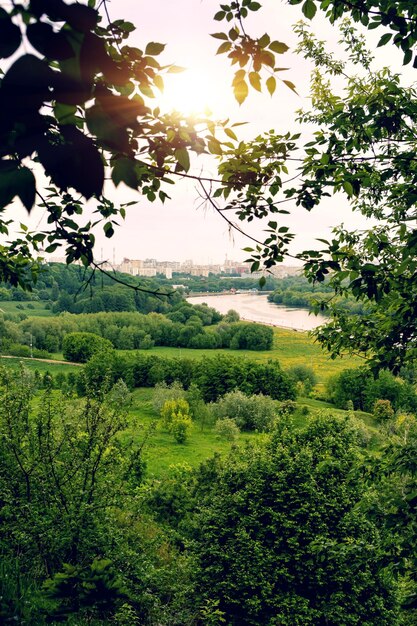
{"x": 241, "y": 91}
{"x": 384, "y": 39}
{"x": 309, "y": 9}
{"x": 290, "y": 85}
{"x": 230, "y": 134}
{"x": 183, "y": 158}
{"x": 153, "y": 48}
{"x": 271, "y": 84}
{"x": 26, "y": 187}
{"x": 224, "y": 47}
{"x": 278, "y": 47}
{"x": 124, "y": 172}
{"x": 255, "y": 80}
{"x": 222, "y": 36}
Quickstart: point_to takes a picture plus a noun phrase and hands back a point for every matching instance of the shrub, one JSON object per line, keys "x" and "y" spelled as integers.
{"x": 287, "y": 407}
{"x": 164, "y": 392}
{"x": 227, "y": 428}
{"x": 172, "y": 408}
{"x": 383, "y": 410}
{"x": 256, "y": 412}
{"x": 305, "y": 376}
{"x": 80, "y": 347}
{"x": 180, "y": 426}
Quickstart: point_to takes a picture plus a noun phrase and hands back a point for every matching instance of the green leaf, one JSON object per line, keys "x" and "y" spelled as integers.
{"x": 347, "y": 186}
{"x": 153, "y": 48}
{"x": 183, "y": 158}
{"x": 264, "y": 40}
{"x": 221, "y": 36}
{"x": 309, "y": 9}
{"x": 219, "y": 16}
{"x": 214, "y": 146}
{"x": 230, "y": 134}
{"x": 224, "y": 47}
{"x": 262, "y": 281}
{"x": 271, "y": 84}
{"x": 278, "y": 47}
{"x": 408, "y": 55}
{"x": 108, "y": 230}
{"x": 384, "y": 39}
{"x": 124, "y": 172}
{"x": 26, "y": 187}
{"x": 254, "y": 6}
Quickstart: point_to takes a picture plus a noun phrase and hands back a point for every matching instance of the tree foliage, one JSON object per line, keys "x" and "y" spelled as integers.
{"x": 279, "y": 539}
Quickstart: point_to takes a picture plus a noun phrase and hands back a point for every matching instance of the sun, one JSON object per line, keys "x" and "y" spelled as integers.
{"x": 191, "y": 93}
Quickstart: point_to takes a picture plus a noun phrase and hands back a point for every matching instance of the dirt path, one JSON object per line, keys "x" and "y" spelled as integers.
{"x": 28, "y": 358}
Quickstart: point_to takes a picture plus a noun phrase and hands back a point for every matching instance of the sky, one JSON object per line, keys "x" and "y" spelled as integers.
{"x": 183, "y": 228}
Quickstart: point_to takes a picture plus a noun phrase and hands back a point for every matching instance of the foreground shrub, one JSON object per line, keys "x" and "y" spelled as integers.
{"x": 279, "y": 539}
{"x": 251, "y": 413}
{"x": 227, "y": 428}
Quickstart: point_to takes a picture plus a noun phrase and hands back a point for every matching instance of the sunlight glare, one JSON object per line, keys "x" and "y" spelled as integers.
{"x": 191, "y": 93}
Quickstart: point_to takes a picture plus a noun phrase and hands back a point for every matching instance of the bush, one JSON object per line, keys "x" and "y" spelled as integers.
{"x": 171, "y": 409}
{"x": 80, "y": 347}
{"x": 227, "y": 428}
{"x": 287, "y": 407}
{"x": 361, "y": 388}
{"x": 305, "y": 376}
{"x": 383, "y": 410}
{"x": 180, "y": 426}
{"x": 250, "y": 413}
{"x": 164, "y": 392}
{"x": 279, "y": 539}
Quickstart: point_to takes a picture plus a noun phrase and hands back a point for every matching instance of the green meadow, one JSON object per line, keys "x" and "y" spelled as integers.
{"x": 31, "y": 309}
{"x": 291, "y": 347}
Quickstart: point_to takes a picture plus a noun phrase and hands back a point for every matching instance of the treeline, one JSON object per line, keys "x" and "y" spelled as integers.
{"x": 360, "y": 389}
{"x": 297, "y": 291}
{"x": 188, "y": 327}
{"x": 214, "y": 376}
{"x": 77, "y": 290}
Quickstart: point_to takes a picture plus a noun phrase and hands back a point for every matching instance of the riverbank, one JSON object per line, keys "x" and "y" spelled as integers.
{"x": 254, "y": 307}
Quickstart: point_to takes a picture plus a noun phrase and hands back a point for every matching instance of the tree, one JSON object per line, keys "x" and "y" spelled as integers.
{"x": 279, "y": 538}
{"x": 80, "y": 347}
{"x": 61, "y": 468}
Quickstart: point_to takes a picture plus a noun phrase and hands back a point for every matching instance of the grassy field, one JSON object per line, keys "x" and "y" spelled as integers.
{"x": 290, "y": 348}
{"x": 37, "y": 364}
{"x": 161, "y": 451}
{"x": 38, "y": 309}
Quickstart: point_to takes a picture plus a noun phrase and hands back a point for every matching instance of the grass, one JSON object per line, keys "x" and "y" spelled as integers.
{"x": 161, "y": 451}
{"x": 34, "y": 364}
{"x": 290, "y": 348}
{"x": 38, "y": 309}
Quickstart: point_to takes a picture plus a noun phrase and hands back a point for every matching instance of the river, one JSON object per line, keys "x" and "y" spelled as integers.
{"x": 255, "y": 307}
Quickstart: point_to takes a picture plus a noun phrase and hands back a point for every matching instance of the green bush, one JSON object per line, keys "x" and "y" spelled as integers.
{"x": 226, "y": 428}
{"x": 383, "y": 410}
{"x": 80, "y": 347}
{"x": 250, "y": 413}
